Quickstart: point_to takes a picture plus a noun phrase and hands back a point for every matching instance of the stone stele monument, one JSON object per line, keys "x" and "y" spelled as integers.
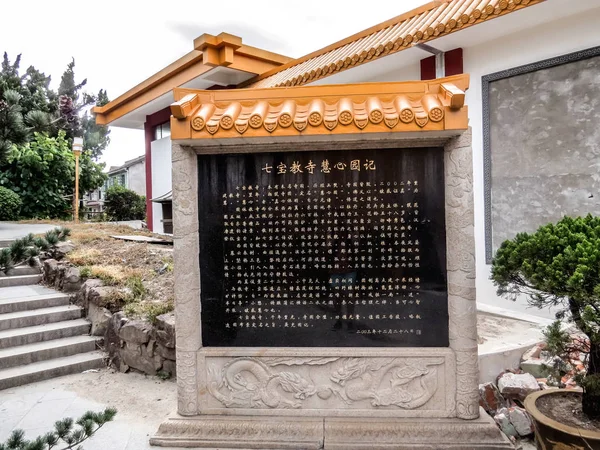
{"x": 325, "y": 269}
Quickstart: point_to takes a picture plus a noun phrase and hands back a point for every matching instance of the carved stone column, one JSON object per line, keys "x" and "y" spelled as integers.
{"x": 460, "y": 243}
{"x": 187, "y": 277}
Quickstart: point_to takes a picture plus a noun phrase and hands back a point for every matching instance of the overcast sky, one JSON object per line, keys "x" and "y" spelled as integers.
{"x": 118, "y": 44}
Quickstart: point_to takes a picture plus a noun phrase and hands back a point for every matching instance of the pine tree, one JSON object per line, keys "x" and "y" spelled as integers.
{"x": 71, "y": 118}
{"x": 25, "y": 104}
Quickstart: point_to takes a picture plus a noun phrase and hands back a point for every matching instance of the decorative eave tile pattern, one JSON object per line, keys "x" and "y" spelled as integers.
{"x": 423, "y": 24}
{"x": 337, "y": 109}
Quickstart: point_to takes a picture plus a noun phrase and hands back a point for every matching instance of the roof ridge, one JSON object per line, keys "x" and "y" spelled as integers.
{"x": 429, "y": 21}
{"x": 354, "y": 37}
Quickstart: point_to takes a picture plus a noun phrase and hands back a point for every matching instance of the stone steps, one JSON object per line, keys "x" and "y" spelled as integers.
{"x": 41, "y": 316}
{"x": 30, "y": 335}
{"x": 12, "y": 305}
{"x": 42, "y": 351}
{"x": 43, "y": 370}
{"x": 20, "y": 280}
{"x": 42, "y": 335}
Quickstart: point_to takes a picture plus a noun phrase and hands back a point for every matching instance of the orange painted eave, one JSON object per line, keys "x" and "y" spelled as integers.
{"x": 246, "y": 58}
{"x": 432, "y": 105}
{"x": 192, "y": 58}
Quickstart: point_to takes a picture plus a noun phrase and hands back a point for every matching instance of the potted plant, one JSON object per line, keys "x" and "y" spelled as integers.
{"x": 559, "y": 265}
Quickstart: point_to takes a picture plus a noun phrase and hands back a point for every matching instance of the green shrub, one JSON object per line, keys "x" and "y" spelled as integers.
{"x": 10, "y": 204}
{"x": 559, "y": 265}
{"x": 124, "y": 204}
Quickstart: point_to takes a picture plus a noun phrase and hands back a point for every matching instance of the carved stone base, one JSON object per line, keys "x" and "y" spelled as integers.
{"x": 335, "y": 433}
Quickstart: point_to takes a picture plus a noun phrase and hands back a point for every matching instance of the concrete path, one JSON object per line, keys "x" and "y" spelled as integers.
{"x": 10, "y": 230}
{"x": 142, "y": 404}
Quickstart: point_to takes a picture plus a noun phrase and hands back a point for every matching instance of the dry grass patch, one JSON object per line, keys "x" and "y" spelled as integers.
{"x": 114, "y": 275}
{"x": 141, "y": 273}
{"x": 87, "y": 236}
{"x": 85, "y": 256}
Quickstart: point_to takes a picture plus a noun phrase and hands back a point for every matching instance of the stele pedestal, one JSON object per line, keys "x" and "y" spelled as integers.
{"x": 325, "y": 283}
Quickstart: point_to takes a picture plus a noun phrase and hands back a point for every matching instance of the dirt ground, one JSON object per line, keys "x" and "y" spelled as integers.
{"x": 132, "y": 394}
{"x": 125, "y": 265}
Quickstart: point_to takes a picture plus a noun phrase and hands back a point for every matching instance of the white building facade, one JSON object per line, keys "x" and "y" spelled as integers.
{"x": 544, "y": 52}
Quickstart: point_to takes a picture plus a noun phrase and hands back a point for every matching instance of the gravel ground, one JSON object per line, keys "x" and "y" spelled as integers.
{"x": 142, "y": 403}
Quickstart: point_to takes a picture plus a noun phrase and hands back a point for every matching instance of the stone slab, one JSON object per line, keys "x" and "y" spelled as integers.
{"x": 24, "y": 291}
{"x": 243, "y": 432}
{"x": 20, "y": 280}
{"x": 147, "y": 239}
{"x": 330, "y": 433}
{"x": 16, "y": 376}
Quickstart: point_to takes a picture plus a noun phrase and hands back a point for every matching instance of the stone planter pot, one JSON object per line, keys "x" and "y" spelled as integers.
{"x": 551, "y": 434}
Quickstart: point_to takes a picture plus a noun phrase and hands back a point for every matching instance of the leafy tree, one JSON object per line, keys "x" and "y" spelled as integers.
{"x": 42, "y": 173}
{"x": 124, "y": 204}
{"x": 559, "y": 264}
{"x": 65, "y": 433}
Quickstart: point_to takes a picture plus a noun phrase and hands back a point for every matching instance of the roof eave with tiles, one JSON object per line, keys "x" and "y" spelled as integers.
{"x": 341, "y": 109}
{"x": 439, "y": 19}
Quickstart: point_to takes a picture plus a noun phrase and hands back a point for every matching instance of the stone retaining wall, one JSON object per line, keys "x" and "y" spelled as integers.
{"x": 130, "y": 344}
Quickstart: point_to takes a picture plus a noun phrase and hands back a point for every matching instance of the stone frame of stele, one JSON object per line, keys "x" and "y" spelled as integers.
{"x": 332, "y": 118}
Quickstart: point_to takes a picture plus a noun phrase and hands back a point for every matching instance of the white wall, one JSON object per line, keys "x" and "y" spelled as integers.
{"x": 567, "y": 35}
{"x": 136, "y": 178}
{"x": 161, "y": 177}
{"x": 482, "y": 56}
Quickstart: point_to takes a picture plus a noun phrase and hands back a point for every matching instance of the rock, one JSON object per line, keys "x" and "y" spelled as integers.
{"x": 137, "y": 357}
{"x": 72, "y": 280}
{"x": 105, "y": 296}
{"x": 170, "y": 367}
{"x": 503, "y": 422}
{"x": 62, "y": 248}
{"x": 534, "y": 352}
{"x": 520, "y": 420}
{"x": 165, "y": 330}
{"x": 136, "y": 332}
{"x": 167, "y": 353}
{"x": 538, "y": 368}
{"x": 112, "y": 341}
{"x": 50, "y": 271}
{"x": 513, "y": 385}
{"x": 527, "y": 444}
{"x": 490, "y": 398}
{"x": 537, "y": 361}
{"x": 151, "y": 348}
{"x": 100, "y": 317}
{"x": 84, "y": 293}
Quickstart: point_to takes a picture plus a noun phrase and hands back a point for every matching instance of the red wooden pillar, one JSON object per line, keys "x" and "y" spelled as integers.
{"x": 158, "y": 118}
{"x": 453, "y": 64}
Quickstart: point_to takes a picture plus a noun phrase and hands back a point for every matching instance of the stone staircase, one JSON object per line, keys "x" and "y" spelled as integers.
{"x": 41, "y": 334}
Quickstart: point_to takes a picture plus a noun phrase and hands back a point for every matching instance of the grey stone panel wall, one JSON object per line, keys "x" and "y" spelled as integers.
{"x": 542, "y": 144}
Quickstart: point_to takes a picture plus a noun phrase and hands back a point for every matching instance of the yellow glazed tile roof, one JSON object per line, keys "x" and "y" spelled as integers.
{"x": 367, "y": 107}
{"x": 428, "y": 22}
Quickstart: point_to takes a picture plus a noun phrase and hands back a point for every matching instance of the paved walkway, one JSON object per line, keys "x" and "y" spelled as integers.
{"x": 142, "y": 404}
{"x": 9, "y": 230}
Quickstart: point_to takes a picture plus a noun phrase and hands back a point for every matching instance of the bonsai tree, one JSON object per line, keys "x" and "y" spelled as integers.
{"x": 559, "y": 265}
{"x": 27, "y": 249}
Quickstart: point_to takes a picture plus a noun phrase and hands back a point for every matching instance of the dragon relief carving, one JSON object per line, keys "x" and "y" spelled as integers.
{"x": 247, "y": 382}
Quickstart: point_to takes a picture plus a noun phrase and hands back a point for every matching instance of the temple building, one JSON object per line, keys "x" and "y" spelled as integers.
{"x": 532, "y": 89}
